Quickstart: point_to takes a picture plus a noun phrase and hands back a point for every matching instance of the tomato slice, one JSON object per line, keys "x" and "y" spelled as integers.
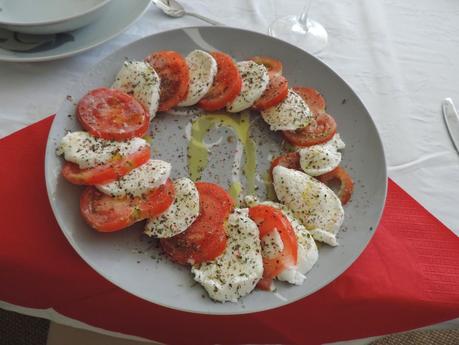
{"x": 227, "y": 84}
{"x": 290, "y": 160}
{"x": 107, "y": 214}
{"x": 175, "y": 77}
{"x": 273, "y": 66}
{"x": 112, "y": 114}
{"x": 321, "y": 129}
{"x": 345, "y": 182}
{"x": 313, "y": 99}
{"x": 205, "y": 239}
{"x": 202, "y": 242}
{"x": 157, "y": 200}
{"x": 105, "y": 173}
{"x": 269, "y": 220}
{"x": 275, "y": 93}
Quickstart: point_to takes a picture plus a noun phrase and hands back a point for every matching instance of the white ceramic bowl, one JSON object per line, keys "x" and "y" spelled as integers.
{"x": 49, "y": 16}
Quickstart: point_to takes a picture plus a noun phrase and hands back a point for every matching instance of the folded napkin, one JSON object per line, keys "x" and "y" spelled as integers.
{"x": 407, "y": 277}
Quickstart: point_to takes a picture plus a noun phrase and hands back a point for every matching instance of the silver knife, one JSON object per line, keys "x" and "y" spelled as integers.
{"x": 452, "y": 121}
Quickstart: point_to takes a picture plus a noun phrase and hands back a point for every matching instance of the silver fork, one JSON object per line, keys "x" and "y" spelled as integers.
{"x": 174, "y": 9}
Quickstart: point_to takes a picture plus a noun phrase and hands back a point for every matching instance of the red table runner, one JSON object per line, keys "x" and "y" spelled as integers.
{"x": 407, "y": 277}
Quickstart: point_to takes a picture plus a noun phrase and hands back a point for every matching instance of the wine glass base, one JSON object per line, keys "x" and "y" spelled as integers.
{"x": 313, "y": 38}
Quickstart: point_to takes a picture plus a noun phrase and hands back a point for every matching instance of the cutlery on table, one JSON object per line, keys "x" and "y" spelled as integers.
{"x": 174, "y": 9}
{"x": 451, "y": 120}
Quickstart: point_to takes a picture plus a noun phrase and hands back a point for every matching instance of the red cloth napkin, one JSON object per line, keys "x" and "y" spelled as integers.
{"x": 407, "y": 277}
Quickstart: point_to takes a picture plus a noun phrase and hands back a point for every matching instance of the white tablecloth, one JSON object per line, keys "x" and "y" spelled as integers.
{"x": 401, "y": 57}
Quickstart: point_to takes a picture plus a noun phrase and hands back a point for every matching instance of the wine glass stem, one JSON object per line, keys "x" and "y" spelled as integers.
{"x": 303, "y": 18}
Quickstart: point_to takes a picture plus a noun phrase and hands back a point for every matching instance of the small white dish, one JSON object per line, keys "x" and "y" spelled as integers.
{"x": 49, "y": 16}
{"x": 117, "y": 17}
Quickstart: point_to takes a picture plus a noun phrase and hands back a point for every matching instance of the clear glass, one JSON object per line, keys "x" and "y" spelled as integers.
{"x": 300, "y": 31}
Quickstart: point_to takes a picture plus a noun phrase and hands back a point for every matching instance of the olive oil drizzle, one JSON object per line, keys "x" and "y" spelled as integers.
{"x": 198, "y": 153}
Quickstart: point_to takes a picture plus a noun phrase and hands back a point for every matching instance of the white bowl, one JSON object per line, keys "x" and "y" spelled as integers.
{"x": 49, "y": 16}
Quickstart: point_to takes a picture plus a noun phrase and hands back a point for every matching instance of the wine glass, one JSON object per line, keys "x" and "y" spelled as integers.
{"x": 300, "y": 31}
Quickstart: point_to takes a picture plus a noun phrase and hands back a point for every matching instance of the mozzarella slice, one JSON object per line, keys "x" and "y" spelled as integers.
{"x": 255, "y": 80}
{"x": 308, "y": 254}
{"x": 139, "y": 181}
{"x": 238, "y": 269}
{"x": 312, "y": 202}
{"x": 180, "y": 215}
{"x": 291, "y": 114}
{"x": 140, "y": 80}
{"x": 319, "y": 159}
{"x": 271, "y": 245}
{"x": 337, "y": 142}
{"x": 328, "y": 237}
{"x": 203, "y": 68}
{"x": 87, "y": 151}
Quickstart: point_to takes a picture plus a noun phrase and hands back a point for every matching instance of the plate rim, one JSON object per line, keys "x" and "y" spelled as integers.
{"x": 81, "y": 50}
{"x": 327, "y": 281}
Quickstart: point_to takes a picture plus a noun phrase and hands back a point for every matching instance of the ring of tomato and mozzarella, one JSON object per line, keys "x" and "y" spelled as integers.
{"x": 311, "y": 201}
{"x": 255, "y": 80}
{"x": 229, "y": 259}
{"x": 308, "y": 254}
{"x": 88, "y": 151}
{"x": 292, "y": 113}
{"x": 319, "y": 159}
{"x": 140, "y": 80}
{"x": 180, "y": 215}
{"x": 203, "y": 68}
{"x": 238, "y": 269}
{"x": 139, "y": 181}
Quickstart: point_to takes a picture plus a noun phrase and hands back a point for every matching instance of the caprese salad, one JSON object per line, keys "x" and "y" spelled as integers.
{"x": 230, "y": 251}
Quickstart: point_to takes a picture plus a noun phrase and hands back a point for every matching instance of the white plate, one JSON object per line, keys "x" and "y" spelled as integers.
{"x": 117, "y": 17}
{"x": 127, "y": 260}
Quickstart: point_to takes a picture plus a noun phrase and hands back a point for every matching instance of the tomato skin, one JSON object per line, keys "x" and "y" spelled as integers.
{"x": 206, "y": 238}
{"x": 268, "y": 220}
{"x": 108, "y": 214}
{"x": 157, "y": 200}
{"x": 273, "y": 66}
{"x": 200, "y": 244}
{"x": 275, "y": 93}
{"x": 112, "y": 114}
{"x": 321, "y": 129}
{"x": 226, "y": 202}
{"x": 313, "y": 99}
{"x": 105, "y": 173}
{"x": 227, "y": 84}
{"x": 102, "y": 214}
{"x": 172, "y": 69}
{"x": 345, "y": 180}
{"x": 289, "y": 160}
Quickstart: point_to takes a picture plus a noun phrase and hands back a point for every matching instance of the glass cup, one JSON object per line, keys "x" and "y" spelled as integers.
{"x": 300, "y": 31}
